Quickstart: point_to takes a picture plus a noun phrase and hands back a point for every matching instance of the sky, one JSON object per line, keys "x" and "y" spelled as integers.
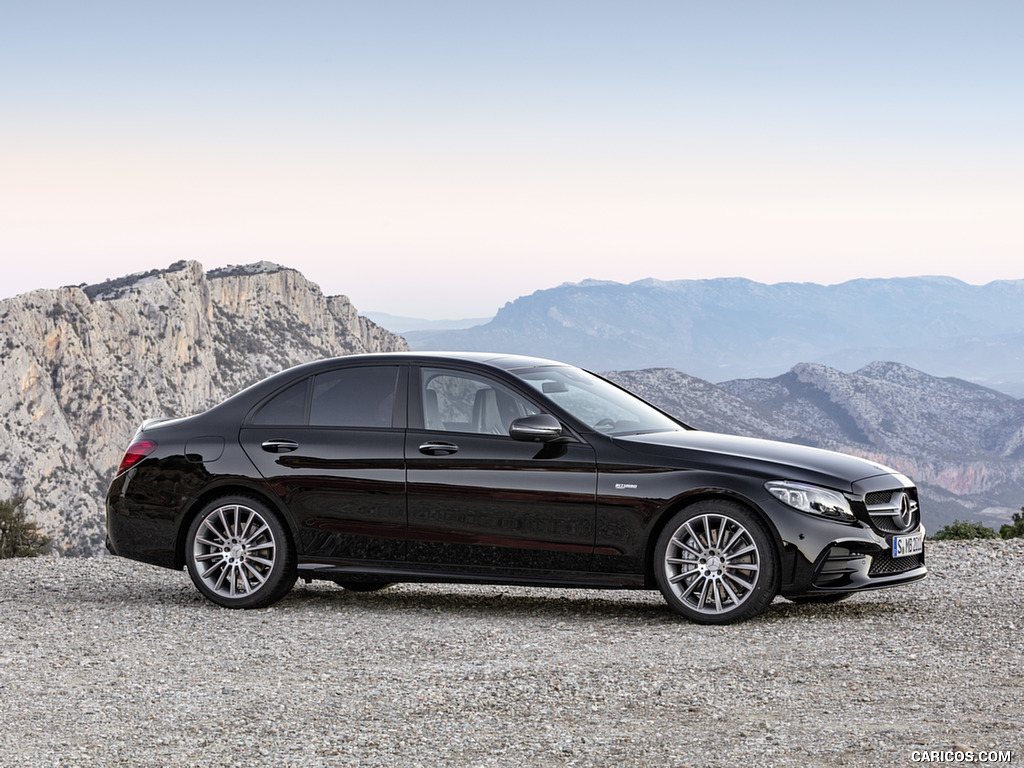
{"x": 438, "y": 159}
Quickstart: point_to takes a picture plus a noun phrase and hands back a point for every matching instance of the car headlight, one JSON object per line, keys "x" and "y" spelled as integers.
{"x": 811, "y": 498}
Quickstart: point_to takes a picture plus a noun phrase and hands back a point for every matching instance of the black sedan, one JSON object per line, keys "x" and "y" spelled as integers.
{"x": 499, "y": 469}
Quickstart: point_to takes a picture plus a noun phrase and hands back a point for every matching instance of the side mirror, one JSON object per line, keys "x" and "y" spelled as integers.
{"x": 539, "y": 428}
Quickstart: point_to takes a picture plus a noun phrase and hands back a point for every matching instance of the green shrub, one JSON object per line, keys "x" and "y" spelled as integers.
{"x": 964, "y": 530}
{"x": 19, "y": 536}
{"x": 1014, "y": 530}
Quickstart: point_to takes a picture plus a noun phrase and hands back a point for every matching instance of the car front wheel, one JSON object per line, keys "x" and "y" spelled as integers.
{"x": 239, "y": 554}
{"x": 715, "y": 563}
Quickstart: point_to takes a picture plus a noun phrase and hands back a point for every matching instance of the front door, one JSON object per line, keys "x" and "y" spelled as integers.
{"x": 479, "y": 499}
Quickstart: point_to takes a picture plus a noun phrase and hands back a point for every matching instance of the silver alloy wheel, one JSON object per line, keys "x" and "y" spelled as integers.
{"x": 234, "y": 550}
{"x": 712, "y": 563}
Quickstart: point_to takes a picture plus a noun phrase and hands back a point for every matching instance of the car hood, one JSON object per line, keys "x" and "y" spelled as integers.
{"x": 768, "y": 458}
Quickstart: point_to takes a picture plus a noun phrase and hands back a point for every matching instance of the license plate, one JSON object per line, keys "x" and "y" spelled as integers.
{"x": 904, "y": 546}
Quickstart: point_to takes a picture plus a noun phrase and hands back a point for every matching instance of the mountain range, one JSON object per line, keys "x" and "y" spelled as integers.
{"x": 402, "y": 325}
{"x": 82, "y": 366}
{"x": 733, "y": 328}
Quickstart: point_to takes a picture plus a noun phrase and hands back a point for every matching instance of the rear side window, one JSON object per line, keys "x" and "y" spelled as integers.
{"x": 286, "y": 409}
{"x": 354, "y": 397}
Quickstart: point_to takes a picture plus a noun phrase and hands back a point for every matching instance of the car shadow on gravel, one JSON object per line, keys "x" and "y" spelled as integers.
{"x": 165, "y": 588}
{"x": 859, "y": 607}
{"x": 641, "y": 607}
{"x": 483, "y": 602}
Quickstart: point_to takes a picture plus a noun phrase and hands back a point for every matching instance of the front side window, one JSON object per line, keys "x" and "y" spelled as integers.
{"x": 596, "y": 402}
{"x": 454, "y": 401}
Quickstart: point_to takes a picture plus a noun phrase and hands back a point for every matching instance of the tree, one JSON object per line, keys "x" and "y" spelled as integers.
{"x": 965, "y": 530}
{"x": 1014, "y": 530}
{"x": 19, "y": 536}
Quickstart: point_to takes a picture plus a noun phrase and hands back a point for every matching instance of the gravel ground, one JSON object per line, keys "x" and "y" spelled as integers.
{"x": 106, "y": 662}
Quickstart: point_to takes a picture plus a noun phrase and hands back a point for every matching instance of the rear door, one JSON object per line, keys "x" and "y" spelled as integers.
{"x": 331, "y": 446}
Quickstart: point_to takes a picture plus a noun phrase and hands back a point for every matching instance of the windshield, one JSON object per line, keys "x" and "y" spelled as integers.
{"x": 597, "y": 403}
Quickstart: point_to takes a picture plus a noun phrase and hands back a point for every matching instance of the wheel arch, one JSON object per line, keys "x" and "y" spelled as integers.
{"x": 695, "y": 497}
{"x": 229, "y": 489}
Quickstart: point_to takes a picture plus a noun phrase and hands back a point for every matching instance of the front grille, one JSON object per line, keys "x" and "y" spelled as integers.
{"x": 884, "y": 564}
{"x": 887, "y": 524}
{"x": 893, "y": 511}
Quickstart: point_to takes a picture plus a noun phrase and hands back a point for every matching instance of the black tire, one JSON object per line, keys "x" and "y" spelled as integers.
{"x": 239, "y": 554}
{"x": 715, "y": 563}
{"x": 822, "y": 598}
{"x": 364, "y": 586}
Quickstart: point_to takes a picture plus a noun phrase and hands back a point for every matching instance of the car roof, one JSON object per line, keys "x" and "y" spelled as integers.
{"x": 504, "y": 361}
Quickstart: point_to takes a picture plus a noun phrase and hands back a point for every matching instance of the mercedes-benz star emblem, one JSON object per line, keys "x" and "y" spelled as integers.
{"x": 906, "y": 510}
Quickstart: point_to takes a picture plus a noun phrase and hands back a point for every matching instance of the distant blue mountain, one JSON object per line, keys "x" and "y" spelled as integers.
{"x": 401, "y": 324}
{"x": 733, "y": 328}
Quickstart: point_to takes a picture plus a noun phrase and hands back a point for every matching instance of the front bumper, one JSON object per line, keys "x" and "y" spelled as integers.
{"x": 849, "y": 566}
{"x": 821, "y": 555}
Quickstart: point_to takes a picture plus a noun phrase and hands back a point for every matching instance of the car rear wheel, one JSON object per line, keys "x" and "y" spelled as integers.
{"x": 239, "y": 554}
{"x": 715, "y": 563}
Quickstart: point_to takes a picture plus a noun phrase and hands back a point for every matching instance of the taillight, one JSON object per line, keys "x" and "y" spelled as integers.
{"x": 136, "y": 452}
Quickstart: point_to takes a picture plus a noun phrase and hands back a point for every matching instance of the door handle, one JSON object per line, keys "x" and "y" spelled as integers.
{"x": 438, "y": 448}
{"x": 279, "y": 446}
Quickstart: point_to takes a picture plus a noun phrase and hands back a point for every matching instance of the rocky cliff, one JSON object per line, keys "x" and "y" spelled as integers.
{"x": 81, "y": 367}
